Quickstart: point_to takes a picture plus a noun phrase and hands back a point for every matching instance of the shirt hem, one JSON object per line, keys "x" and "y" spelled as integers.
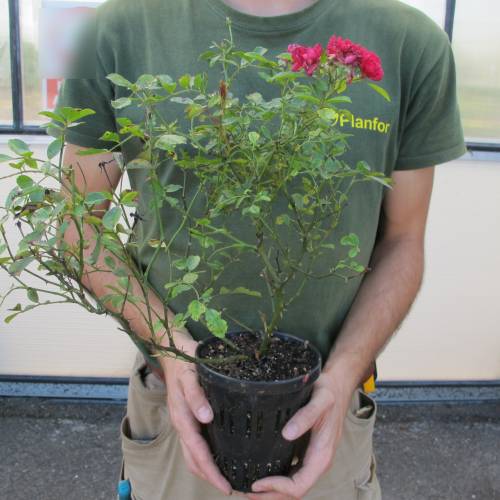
{"x": 431, "y": 159}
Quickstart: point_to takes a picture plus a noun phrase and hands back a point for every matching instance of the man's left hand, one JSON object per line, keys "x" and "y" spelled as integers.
{"x": 324, "y": 415}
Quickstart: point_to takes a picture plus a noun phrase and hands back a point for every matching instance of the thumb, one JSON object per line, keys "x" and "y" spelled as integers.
{"x": 195, "y": 397}
{"x": 306, "y": 417}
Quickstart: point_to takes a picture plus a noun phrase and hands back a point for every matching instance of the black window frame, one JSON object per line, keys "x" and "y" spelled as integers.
{"x": 19, "y": 127}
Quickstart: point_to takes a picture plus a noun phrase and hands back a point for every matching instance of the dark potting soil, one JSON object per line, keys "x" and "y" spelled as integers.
{"x": 284, "y": 359}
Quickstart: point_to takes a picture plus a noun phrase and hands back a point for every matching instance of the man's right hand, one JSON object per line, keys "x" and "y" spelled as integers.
{"x": 189, "y": 407}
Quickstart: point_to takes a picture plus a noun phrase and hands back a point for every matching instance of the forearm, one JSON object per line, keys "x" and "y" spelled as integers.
{"x": 382, "y": 302}
{"x": 140, "y": 315}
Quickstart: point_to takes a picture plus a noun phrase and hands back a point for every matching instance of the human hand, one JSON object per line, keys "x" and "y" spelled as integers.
{"x": 189, "y": 407}
{"x": 324, "y": 415}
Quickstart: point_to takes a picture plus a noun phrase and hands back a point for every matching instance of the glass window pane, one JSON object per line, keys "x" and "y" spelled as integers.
{"x": 476, "y": 40}
{"x": 5, "y": 82}
{"x": 41, "y": 92}
{"x": 435, "y": 9}
{"x": 32, "y": 92}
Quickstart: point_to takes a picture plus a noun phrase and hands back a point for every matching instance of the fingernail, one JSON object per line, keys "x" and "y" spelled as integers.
{"x": 257, "y": 488}
{"x": 290, "y": 431}
{"x": 205, "y": 413}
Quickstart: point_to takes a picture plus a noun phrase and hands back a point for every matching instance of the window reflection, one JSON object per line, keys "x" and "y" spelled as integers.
{"x": 435, "y": 9}
{"x": 476, "y": 40}
{"x": 5, "y": 88}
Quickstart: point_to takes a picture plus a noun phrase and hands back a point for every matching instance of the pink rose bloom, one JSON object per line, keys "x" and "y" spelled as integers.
{"x": 305, "y": 57}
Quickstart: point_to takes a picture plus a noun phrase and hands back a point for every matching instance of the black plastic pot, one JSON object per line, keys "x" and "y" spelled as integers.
{"x": 245, "y": 435}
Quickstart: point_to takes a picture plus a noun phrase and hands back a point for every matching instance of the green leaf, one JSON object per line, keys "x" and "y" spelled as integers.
{"x": 91, "y": 151}
{"x": 253, "y": 137}
{"x": 9, "y": 318}
{"x": 110, "y": 136}
{"x": 20, "y": 265}
{"x": 283, "y": 219}
{"x": 97, "y": 250}
{"x": 111, "y": 218}
{"x": 146, "y": 81}
{"x": 185, "y": 81}
{"x": 196, "y": 309}
{"x": 139, "y": 164}
{"x": 172, "y": 188}
{"x": 168, "y": 141}
{"x": 128, "y": 198}
{"x": 33, "y": 295}
{"x": 353, "y": 252}
{"x": 19, "y": 147}
{"x": 4, "y": 158}
{"x": 24, "y": 182}
{"x": 308, "y": 98}
{"x": 98, "y": 197}
{"x": 215, "y": 323}
{"x": 255, "y": 97}
{"x": 52, "y": 116}
{"x": 119, "y": 80}
{"x": 190, "y": 278}
{"x": 356, "y": 266}
{"x": 339, "y": 99}
{"x": 380, "y": 91}
{"x": 252, "y": 210}
{"x": 284, "y": 76}
{"x": 124, "y": 282}
{"x": 110, "y": 262}
{"x": 117, "y": 301}
{"x": 178, "y": 289}
{"x": 121, "y": 103}
{"x": 239, "y": 290}
{"x": 179, "y": 321}
{"x": 329, "y": 246}
{"x": 192, "y": 262}
{"x": 328, "y": 114}
{"x": 54, "y": 148}
{"x": 194, "y": 110}
{"x": 173, "y": 202}
{"x": 350, "y": 240}
{"x": 71, "y": 115}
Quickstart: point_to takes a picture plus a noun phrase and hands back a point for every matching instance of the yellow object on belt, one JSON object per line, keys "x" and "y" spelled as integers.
{"x": 369, "y": 385}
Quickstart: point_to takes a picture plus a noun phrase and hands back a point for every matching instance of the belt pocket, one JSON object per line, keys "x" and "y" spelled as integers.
{"x": 363, "y": 410}
{"x": 147, "y": 415}
{"x": 368, "y": 487}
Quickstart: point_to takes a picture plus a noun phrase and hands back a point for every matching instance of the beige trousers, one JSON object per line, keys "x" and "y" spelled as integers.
{"x": 154, "y": 465}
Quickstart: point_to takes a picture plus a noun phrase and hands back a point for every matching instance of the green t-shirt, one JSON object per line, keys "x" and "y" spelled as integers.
{"x": 419, "y": 128}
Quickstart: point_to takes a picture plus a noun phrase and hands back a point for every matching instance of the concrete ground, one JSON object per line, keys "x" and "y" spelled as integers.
{"x": 56, "y": 450}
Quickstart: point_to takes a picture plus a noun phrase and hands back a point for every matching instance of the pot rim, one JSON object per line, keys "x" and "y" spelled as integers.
{"x": 295, "y": 383}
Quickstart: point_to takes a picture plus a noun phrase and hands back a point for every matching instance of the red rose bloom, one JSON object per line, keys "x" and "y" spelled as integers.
{"x": 371, "y": 67}
{"x": 351, "y": 54}
{"x": 305, "y": 57}
{"x": 344, "y": 51}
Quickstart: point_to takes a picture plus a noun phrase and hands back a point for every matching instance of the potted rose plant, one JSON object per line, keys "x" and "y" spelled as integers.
{"x": 274, "y": 165}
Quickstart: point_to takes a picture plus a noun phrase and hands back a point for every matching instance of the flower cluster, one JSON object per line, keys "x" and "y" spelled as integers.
{"x": 305, "y": 57}
{"x": 352, "y": 54}
{"x": 339, "y": 50}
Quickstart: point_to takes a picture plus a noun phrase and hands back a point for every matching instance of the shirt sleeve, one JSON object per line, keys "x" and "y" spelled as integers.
{"x": 86, "y": 86}
{"x": 432, "y": 131}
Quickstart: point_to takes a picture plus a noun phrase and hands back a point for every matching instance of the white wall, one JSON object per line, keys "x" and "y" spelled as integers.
{"x": 452, "y": 332}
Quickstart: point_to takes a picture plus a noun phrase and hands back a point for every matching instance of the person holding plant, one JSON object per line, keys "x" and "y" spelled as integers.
{"x": 349, "y": 322}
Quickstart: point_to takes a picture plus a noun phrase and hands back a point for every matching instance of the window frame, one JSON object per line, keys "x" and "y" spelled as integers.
{"x": 19, "y": 127}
